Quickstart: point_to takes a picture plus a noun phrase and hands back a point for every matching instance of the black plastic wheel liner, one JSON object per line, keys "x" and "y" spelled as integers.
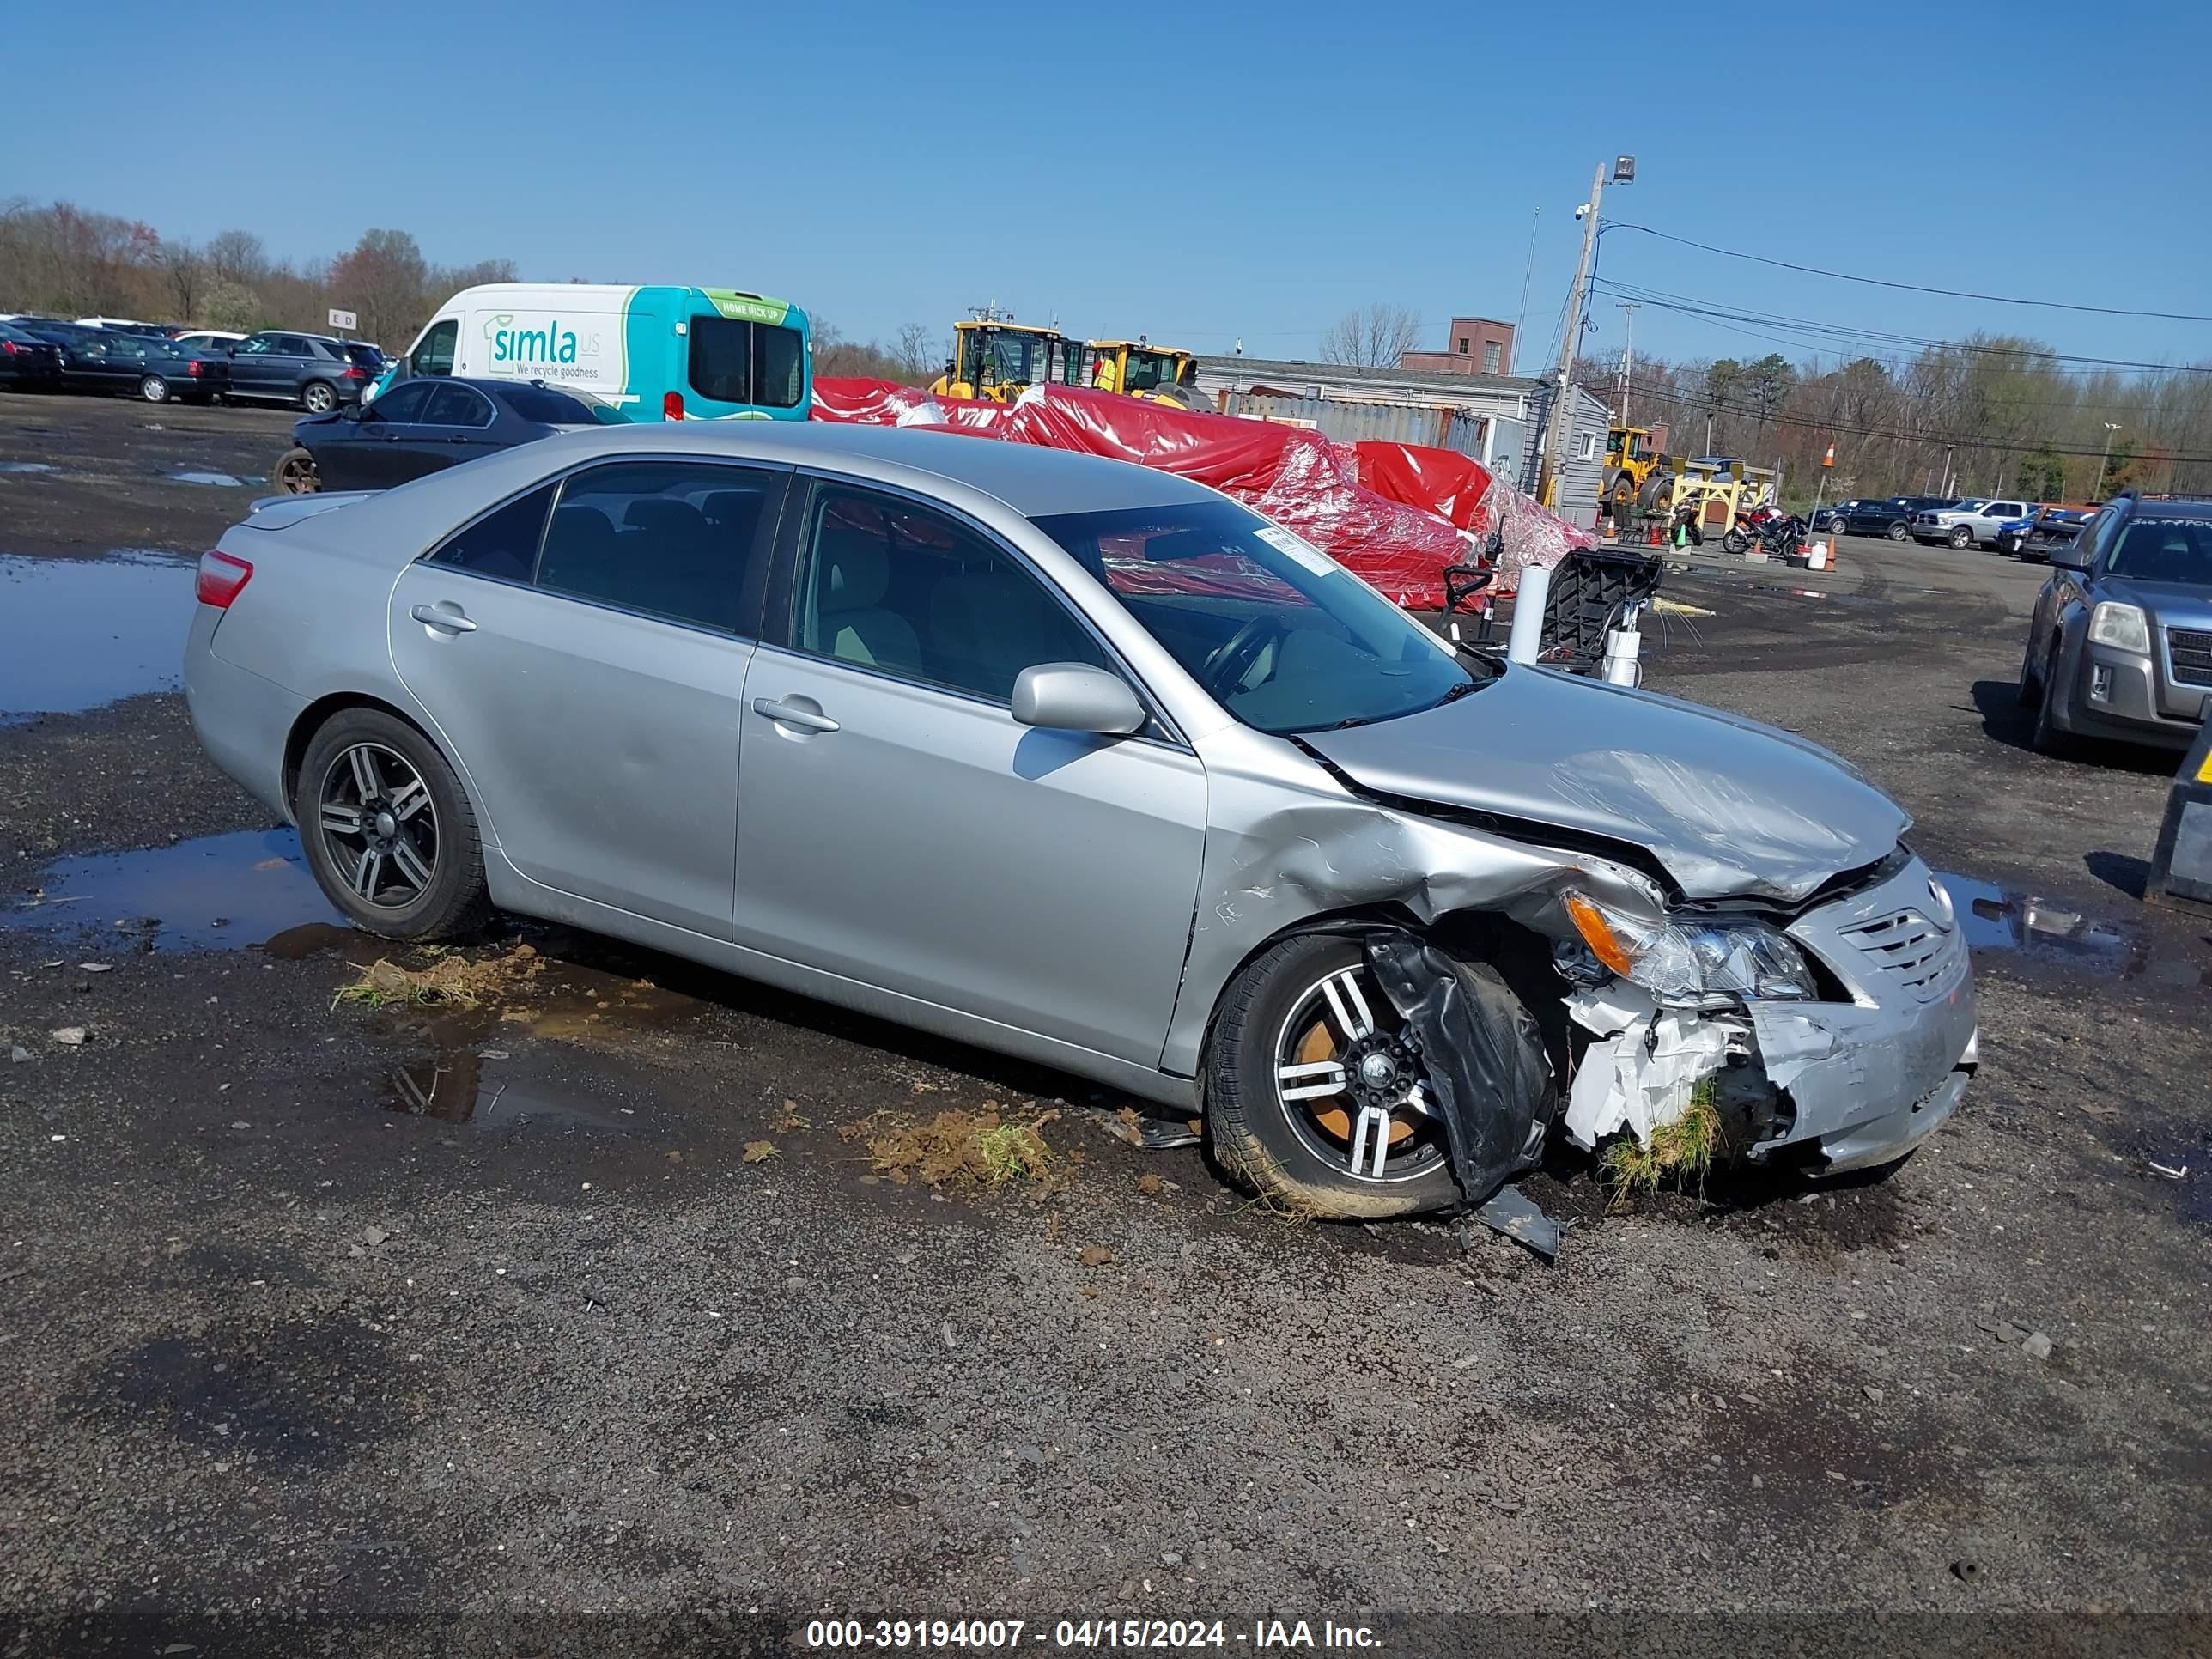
{"x": 1590, "y": 587}
{"x": 1482, "y": 1053}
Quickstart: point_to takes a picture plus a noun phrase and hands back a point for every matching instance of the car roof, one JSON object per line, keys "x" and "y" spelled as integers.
{"x": 2186, "y": 507}
{"x": 1035, "y": 482}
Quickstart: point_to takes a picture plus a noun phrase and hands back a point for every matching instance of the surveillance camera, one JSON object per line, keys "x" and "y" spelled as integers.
{"x": 1581, "y": 210}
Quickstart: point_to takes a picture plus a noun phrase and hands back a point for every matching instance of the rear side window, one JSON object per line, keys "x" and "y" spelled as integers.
{"x": 741, "y": 362}
{"x": 672, "y": 538}
{"x": 403, "y": 402}
{"x": 535, "y": 403}
{"x": 503, "y": 543}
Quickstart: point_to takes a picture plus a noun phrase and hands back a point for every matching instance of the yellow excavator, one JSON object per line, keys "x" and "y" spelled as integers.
{"x": 1162, "y": 374}
{"x": 998, "y": 358}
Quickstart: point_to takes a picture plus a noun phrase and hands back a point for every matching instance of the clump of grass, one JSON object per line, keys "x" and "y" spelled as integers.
{"x": 450, "y": 979}
{"x": 1680, "y": 1152}
{"x": 957, "y": 1148}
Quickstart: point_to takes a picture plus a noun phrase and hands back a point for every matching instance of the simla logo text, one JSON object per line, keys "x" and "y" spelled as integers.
{"x": 548, "y": 343}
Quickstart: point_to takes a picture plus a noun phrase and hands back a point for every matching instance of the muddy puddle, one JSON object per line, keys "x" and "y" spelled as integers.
{"x": 492, "y": 1089}
{"x": 25, "y": 467}
{"x": 215, "y": 892}
{"x": 212, "y": 480}
{"x": 78, "y": 632}
{"x": 1995, "y": 918}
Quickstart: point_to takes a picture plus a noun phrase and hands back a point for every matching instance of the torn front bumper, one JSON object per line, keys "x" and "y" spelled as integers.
{"x": 1867, "y": 1080}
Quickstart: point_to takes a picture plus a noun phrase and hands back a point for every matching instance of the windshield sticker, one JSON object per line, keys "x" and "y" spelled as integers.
{"x": 1303, "y": 552}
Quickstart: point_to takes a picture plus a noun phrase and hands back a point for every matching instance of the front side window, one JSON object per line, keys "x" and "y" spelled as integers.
{"x": 503, "y": 543}
{"x": 1280, "y": 635}
{"x": 259, "y": 346}
{"x": 403, "y": 402}
{"x": 457, "y": 405}
{"x": 434, "y": 352}
{"x": 674, "y": 538}
{"x": 885, "y": 585}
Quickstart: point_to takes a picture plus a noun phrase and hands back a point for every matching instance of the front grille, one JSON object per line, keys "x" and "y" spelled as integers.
{"x": 1910, "y": 951}
{"x": 2191, "y": 651}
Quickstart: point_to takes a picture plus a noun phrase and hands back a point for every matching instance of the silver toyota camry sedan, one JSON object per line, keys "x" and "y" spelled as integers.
{"x": 1087, "y": 764}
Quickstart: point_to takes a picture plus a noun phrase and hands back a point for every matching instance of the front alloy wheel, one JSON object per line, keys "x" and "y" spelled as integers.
{"x": 1962, "y": 537}
{"x": 1350, "y": 1080}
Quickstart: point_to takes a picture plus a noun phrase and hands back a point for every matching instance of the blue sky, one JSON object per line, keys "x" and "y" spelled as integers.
{"x": 1195, "y": 172}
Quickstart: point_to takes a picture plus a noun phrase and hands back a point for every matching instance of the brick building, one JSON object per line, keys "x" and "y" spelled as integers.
{"x": 1476, "y": 345}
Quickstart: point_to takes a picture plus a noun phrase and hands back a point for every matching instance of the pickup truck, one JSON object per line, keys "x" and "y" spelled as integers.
{"x": 1973, "y": 522}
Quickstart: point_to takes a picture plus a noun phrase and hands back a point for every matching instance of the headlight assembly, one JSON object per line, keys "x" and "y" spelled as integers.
{"x": 2122, "y": 627}
{"x": 1695, "y": 958}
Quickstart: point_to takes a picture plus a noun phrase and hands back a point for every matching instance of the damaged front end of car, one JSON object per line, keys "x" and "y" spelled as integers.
{"x": 1586, "y": 938}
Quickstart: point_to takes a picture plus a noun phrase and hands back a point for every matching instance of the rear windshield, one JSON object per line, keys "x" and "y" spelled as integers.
{"x": 538, "y": 403}
{"x": 740, "y": 362}
{"x": 1282, "y": 637}
{"x": 366, "y": 355}
{"x": 2166, "y": 550}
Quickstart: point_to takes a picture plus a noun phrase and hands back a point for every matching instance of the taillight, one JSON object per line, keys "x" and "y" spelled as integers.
{"x": 221, "y": 579}
{"x": 672, "y": 405}
{"x": 357, "y": 372}
{"x": 9, "y": 347}
{"x": 192, "y": 367}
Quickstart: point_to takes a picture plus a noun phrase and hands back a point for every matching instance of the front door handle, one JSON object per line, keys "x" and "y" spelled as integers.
{"x": 450, "y": 621}
{"x": 806, "y": 718}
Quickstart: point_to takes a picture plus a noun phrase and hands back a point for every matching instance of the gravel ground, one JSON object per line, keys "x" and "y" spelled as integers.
{"x": 585, "y": 1313}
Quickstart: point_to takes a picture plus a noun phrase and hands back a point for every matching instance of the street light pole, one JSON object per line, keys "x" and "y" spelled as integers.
{"x": 1556, "y": 428}
{"x": 2111, "y": 426}
{"x": 1628, "y": 309}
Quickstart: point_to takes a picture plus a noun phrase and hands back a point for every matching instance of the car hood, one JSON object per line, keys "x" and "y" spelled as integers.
{"x": 1728, "y": 806}
{"x": 2171, "y": 605}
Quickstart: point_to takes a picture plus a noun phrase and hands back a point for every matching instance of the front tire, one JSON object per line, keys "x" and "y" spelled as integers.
{"x": 319, "y": 397}
{"x": 1961, "y": 538}
{"x": 154, "y": 389}
{"x": 388, "y": 829}
{"x": 2050, "y": 738}
{"x": 295, "y": 473}
{"x": 1299, "y": 1019}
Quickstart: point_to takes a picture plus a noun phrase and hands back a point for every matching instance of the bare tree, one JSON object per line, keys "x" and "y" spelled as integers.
{"x": 236, "y": 255}
{"x": 919, "y": 359}
{"x": 1375, "y": 336}
{"x": 186, "y": 274}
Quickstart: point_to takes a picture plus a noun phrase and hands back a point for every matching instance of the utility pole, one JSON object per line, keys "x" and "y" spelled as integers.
{"x": 1556, "y": 428}
{"x": 1628, "y": 309}
{"x": 2098, "y": 493}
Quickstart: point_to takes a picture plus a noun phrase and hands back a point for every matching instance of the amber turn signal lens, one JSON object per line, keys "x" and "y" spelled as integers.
{"x": 1590, "y": 922}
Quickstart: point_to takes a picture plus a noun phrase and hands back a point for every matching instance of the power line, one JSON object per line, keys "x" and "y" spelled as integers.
{"x": 1912, "y": 287}
{"x": 1691, "y": 305}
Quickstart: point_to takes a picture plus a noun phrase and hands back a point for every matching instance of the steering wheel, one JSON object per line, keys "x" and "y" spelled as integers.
{"x": 1235, "y": 654}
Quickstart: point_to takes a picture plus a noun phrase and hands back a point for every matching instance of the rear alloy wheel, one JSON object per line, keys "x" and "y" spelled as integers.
{"x": 1900, "y": 532}
{"x": 319, "y": 397}
{"x": 387, "y": 829}
{"x": 1317, "y": 1095}
{"x": 154, "y": 389}
{"x": 295, "y": 473}
{"x": 1962, "y": 537}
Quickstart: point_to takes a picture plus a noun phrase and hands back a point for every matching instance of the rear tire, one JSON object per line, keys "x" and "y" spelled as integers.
{"x": 1736, "y": 541}
{"x": 319, "y": 397}
{"x": 154, "y": 389}
{"x": 1248, "y": 1125}
{"x": 1900, "y": 532}
{"x": 435, "y": 888}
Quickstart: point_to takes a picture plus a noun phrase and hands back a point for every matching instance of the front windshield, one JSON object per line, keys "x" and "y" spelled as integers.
{"x": 2170, "y": 549}
{"x": 1282, "y": 637}
{"x": 1008, "y": 359}
{"x": 1148, "y": 371}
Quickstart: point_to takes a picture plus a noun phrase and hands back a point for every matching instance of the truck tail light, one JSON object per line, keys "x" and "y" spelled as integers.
{"x": 672, "y": 405}
{"x": 221, "y": 579}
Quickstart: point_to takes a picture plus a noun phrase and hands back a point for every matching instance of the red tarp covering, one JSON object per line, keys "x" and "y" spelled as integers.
{"x": 1396, "y": 514}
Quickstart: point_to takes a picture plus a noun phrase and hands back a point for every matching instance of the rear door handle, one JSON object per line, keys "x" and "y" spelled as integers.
{"x": 451, "y": 622}
{"x": 804, "y": 717}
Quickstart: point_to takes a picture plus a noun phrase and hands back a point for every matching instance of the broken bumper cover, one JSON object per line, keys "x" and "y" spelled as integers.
{"x": 1865, "y": 1081}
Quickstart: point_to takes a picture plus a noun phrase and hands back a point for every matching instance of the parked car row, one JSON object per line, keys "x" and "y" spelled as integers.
{"x": 314, "y": 371}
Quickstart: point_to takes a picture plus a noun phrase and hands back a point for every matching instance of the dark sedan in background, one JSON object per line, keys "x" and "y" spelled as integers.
{"x": 317, "y": 373}
{"x": 420, "y": 427}
{"x": 28, "y": 363}
{"x": 138, "y": 365}
{"x": 1892, "y": 518}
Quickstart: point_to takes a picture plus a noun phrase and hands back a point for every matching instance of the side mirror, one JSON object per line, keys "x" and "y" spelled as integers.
{"x": 2070, "y": 555}
{"x": 1071, "y": 696}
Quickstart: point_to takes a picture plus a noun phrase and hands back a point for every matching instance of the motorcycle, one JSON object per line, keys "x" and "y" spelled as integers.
{"x": 1779, "y": 533}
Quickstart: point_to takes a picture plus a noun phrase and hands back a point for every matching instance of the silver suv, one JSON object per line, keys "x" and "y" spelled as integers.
{"x": 2121, "y": 641}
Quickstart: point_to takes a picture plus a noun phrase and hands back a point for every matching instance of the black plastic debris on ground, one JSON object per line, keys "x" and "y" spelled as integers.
{"x": 1589, "y": 589}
